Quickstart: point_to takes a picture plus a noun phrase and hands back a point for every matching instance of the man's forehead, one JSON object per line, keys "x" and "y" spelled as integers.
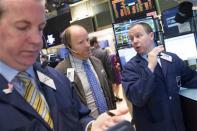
{"x": 137, "y": 28}
{"x": 7, "y": 3}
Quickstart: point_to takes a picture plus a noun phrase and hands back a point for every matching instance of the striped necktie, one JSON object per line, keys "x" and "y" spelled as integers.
{"x": 34, "y": 98}
{"x": 96, "y": 88}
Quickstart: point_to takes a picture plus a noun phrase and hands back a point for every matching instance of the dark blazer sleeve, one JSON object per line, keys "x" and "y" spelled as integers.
{"x": 137, "y": 81}
{"x": 188, "y": 76}
{"x": 109, "y": 67}
{"x": 67, "y": 112}
{"x": 70, "y": 101}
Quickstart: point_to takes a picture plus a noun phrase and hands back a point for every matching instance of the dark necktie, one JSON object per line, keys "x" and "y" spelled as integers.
{"x": 33, "y": 97}
{"x": 95, "y": 87}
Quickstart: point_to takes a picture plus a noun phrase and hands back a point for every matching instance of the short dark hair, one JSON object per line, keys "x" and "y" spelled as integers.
{"x": 148, "y": 29}
{"x": 93, "y": 41}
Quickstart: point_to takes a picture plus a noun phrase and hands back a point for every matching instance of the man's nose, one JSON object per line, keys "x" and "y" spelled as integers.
{"x": 36, "y": 37}
{"x": 135, "y": 39}
{"x": 87, "y": 43}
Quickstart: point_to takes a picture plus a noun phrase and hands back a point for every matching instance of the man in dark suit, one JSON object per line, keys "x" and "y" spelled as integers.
{"x": 75, "y": 38}
{"x": 106, "y": 60}
{"x": 104, "y": 57}
{"x": 152, "y": 81}
{"x": 33, "y": 98}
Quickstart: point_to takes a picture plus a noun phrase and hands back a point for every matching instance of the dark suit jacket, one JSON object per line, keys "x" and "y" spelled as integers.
{"x": 155, "y": 98}
{"x": 66, "y": 110}
{"x": 107, "y": 89}
{"x": 103, "y": 56}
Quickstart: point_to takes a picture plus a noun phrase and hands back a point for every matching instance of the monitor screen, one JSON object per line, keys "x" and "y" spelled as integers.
{"x": 125, "y": 55}
{"x": 127, "y": 9}
{"x": 184, "y": 46}
{"x": 121, "y": 33}
{"x": 170, "y": 26}
{"x": 54, "y": 28}
{"x": 103, "y": 44}
{"x": 63, "y": 52}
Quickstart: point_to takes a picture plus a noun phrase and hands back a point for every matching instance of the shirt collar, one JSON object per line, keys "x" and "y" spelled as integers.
{"x": 76, "y": 61}
{"x": 9, "y": 73}
{"x": 145, "y": 57}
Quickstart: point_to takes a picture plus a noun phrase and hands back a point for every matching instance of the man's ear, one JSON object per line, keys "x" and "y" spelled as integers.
{"x": 151, "y": 34}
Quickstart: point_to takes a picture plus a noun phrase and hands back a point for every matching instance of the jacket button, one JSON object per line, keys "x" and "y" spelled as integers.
{"x": 170, "y": 97}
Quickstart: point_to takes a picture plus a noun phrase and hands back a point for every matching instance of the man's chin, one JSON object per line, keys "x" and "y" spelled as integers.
{"x": 29, "y": 62}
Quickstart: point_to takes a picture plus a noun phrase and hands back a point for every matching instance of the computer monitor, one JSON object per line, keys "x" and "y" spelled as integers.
{"x": 121, "y": 33}
{"x": 184, "y": 46}
{"x": 103, "y": 44}
{"x": 54, "y": 27}
{"x": 125, "y": 55}
{"x": 63, "y": 52}
{"x": 171, "y": 27}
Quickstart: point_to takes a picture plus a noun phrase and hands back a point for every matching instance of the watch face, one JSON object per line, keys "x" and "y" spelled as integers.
{"x": 89, "y": 126}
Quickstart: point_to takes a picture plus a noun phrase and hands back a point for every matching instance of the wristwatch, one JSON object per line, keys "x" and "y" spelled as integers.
{"x": 89, "y": 127}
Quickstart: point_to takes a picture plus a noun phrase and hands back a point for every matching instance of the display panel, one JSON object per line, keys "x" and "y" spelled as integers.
{"x": 125, "y": 55}
{"x": 184, "y": 46}
{"x": 103, "y": 44}
{"x": 121, "y": 34}
{"x": 127, "y": 9}
{"x": 54, "y": 28}
{"x": 170, "y": 26}
{"x": 63, "y": 52}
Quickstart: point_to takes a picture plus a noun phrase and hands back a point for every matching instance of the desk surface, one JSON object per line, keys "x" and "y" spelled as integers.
{"x": 189, "y": 93}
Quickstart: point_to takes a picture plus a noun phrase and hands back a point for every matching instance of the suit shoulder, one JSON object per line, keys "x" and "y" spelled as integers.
{"x": 93, "y": 58}
{"x": 61, "y": 66}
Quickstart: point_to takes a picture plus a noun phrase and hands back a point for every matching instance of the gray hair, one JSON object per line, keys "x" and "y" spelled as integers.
{"x": 2, "y": 8}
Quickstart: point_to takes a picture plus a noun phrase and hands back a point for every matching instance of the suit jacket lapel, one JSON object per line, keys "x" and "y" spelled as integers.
{"x": 164, "y": 66}
{"x": 16, "y": 100}
{"x": 78, "y": 87}
{"x": 141, "y": 61}
{"x": 49, "y": 95}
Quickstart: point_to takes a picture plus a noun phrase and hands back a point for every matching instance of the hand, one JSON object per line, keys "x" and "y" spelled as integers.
{"x": 105, "y": 121}
{"x": 152, "y": 57}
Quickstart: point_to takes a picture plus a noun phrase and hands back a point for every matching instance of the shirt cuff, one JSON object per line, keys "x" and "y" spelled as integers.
{"x": 89, "y": 125}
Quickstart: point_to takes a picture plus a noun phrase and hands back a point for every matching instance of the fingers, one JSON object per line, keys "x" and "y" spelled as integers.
{"x": 108, "y": 119}
{"x": 152, "y": 57}
{"x": 157, "y": 50}
{"x": 119, "y": 112}
{"x": 109, "y": 123}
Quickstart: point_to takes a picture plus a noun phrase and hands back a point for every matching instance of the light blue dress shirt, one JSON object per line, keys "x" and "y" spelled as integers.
{"x": 10, "y": 73}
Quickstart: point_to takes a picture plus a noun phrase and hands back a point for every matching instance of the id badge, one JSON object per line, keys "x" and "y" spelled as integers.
{"x": 70, "y": 74}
